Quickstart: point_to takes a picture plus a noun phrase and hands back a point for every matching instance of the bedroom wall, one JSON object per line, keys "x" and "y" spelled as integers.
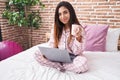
{"x": 88, "y": 12}
{"x": 14, "y": 33}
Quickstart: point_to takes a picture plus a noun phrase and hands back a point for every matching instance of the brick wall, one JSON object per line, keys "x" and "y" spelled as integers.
{"x": 88, "y": 12}
{"x": 14, "y": 33}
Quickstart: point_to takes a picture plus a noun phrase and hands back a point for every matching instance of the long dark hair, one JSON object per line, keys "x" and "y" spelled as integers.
{"x": 58, "y": 25}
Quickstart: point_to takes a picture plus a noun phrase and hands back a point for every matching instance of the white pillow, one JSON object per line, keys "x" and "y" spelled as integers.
{"x": 112, "y": 39}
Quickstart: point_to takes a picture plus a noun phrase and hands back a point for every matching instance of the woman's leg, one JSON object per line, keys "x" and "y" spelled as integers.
{"x": 45, "y": 62}
{"x": 79, "y": 65}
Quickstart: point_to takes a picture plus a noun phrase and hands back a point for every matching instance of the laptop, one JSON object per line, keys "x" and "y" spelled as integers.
{"x": 57, "y": 55}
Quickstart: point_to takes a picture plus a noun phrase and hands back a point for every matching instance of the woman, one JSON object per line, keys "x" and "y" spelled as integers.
{"x": 67, "y": 34}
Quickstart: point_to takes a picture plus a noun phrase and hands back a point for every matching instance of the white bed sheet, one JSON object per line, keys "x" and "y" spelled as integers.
{"x": 23, "y": 66}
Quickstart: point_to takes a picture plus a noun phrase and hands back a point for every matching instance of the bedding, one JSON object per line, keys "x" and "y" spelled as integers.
{"x": 112, "y": 39}
{"x": 99, "y": 37}
{"x": 95, "y": 37}
{"x": 23, "y": 66}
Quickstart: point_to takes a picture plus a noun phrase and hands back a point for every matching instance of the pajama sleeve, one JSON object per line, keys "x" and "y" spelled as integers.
{"x": 76, "y": 46}
{"x": 51, "y": 40}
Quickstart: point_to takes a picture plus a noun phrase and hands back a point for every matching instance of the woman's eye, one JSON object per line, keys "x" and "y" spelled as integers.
{"x": 65, "y": 12}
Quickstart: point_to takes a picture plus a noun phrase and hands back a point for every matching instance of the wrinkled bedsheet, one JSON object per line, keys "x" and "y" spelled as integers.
{"x": 23, "y": 66}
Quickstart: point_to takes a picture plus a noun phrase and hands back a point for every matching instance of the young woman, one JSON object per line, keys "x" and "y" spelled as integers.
{"x": 67, "y": 34}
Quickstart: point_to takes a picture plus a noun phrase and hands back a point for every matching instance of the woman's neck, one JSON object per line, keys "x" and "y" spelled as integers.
{"x": 66, "y": 27}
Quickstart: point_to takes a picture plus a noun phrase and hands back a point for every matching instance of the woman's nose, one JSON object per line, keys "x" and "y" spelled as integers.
{"x": 62, "y": 16}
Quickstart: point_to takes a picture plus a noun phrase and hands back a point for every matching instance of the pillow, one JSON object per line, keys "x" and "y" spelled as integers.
{"x": 95, "y": 37}
{"x": 112, "y": 39}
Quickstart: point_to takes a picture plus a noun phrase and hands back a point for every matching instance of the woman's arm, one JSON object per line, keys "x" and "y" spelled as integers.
{"x": 77, "y": 44}
{"x": 51, "y": 40}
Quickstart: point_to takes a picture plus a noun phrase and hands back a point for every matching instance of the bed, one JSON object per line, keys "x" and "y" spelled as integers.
{"x": 103, "y": 65}
{"x": 23, "y": 66}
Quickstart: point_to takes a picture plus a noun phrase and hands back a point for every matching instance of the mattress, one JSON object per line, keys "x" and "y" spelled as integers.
{"x": 23, "y": 66}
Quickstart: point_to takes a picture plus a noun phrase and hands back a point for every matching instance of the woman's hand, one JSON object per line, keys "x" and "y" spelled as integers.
{"x": 76, "y": 31}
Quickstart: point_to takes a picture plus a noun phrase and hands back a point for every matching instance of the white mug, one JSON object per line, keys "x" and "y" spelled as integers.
{"x": 75, "y": 29}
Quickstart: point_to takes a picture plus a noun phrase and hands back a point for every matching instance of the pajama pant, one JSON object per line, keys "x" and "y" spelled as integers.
{"x": 78, "y": 65}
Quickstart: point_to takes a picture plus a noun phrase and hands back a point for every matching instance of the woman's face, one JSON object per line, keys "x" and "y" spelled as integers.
{"x": 64, "y": 15}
